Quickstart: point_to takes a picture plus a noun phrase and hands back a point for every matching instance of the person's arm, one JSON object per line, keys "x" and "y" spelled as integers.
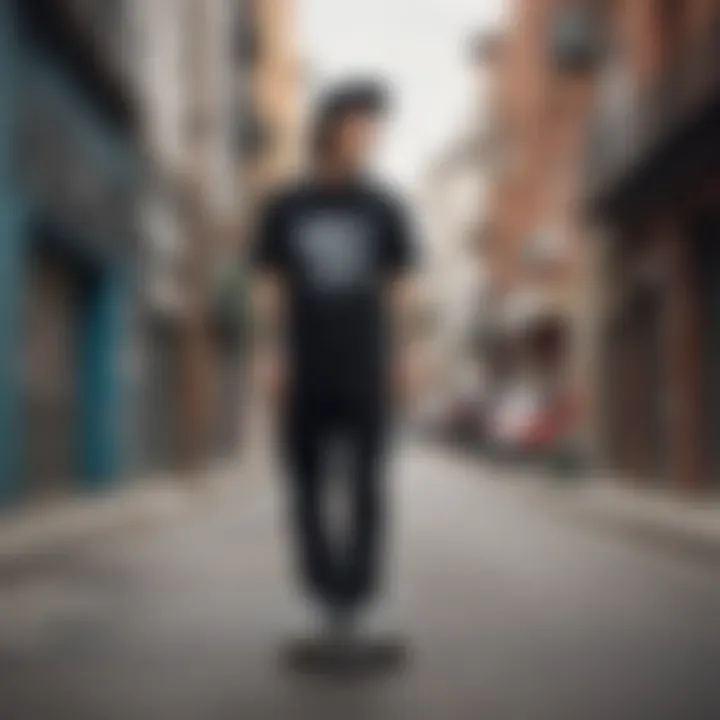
{"x": 269, "y": 304}
{"x": 404, "y": 287}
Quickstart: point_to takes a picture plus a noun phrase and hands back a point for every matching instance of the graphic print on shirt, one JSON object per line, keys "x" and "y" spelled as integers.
{"x": 334, "y": 250}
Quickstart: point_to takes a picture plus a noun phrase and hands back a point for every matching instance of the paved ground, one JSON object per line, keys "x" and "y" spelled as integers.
{"x": 513, "y": 610}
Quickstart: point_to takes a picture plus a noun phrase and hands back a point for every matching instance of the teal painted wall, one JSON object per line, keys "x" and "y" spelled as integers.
{"x": 104, "y": 326}
{"x": 102, "y": 381}
{"x": 12, "y": 218}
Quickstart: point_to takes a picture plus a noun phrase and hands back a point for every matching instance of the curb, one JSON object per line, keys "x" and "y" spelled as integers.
{"x": 31, "y": 537}
{"x": 674, "y": 523}
{"x": 672, "y": 536}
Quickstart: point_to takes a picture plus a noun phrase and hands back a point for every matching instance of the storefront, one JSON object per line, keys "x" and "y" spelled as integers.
{"x": 656, "y": 197}
{"x": 66, "y": 220}
{"x": 635, "y": 397}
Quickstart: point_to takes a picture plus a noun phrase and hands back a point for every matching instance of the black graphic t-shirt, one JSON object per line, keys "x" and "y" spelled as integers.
{"x": 336, "y": 249}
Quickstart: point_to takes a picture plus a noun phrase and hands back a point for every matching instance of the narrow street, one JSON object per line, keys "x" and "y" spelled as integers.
{"x": 511, "y": 610}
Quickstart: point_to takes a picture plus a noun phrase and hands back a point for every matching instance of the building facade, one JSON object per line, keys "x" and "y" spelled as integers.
{"x": 452, "y": 280}
{"x": 535, "y": 250}
{"x": 67, "y": 168}
{"x": 160, "y": 64}
{"x": 196, "y": 75}
{"x": 455, "y": 213}
{"x": 653, "y": 189}
{"x": 273, "y": 137}
{"x": 121, "y": 212}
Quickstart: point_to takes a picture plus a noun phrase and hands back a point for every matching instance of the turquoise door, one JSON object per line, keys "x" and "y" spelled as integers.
{"x": 51, "y": 384}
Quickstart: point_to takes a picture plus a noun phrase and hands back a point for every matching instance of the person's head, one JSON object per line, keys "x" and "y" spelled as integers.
{"x": 347, "y": 124}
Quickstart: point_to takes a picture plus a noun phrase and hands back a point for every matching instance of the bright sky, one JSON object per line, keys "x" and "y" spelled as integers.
{"x": 420, "y": 46}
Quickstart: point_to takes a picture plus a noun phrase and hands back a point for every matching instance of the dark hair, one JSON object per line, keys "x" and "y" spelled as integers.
{"x": 361, "y": 97}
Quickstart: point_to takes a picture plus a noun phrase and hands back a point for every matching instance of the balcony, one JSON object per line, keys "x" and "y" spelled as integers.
{"x": 657, "y": 136}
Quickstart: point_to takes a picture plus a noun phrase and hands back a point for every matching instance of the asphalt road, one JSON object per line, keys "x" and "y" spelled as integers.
{"x": 510, "y": 609}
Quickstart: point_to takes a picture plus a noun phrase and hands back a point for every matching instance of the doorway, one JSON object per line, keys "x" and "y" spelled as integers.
{"x": 636, "y": 387}
{"x": 52, "y": 361}
{"x": 707, "y": 254}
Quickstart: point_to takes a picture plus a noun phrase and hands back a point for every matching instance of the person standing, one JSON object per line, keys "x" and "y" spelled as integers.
{"x": 334, "y": 298}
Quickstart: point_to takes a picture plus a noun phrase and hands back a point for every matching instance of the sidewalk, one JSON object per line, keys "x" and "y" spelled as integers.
{"x": 659, "y": 515}
{"x": 683, "y": 522}
{"x": 667, "y": 519}
{"x": 33, "y": 534}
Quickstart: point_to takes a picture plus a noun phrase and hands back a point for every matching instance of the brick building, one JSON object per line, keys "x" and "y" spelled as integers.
{"x": 654, "y": 185}
{"x": 535, "y": 250}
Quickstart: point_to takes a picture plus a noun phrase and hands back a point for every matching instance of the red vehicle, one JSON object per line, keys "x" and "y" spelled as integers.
{"x": 552, "y": 425}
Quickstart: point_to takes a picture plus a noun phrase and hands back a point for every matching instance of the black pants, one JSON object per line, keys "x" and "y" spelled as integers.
{"x": 340, "y": 572}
